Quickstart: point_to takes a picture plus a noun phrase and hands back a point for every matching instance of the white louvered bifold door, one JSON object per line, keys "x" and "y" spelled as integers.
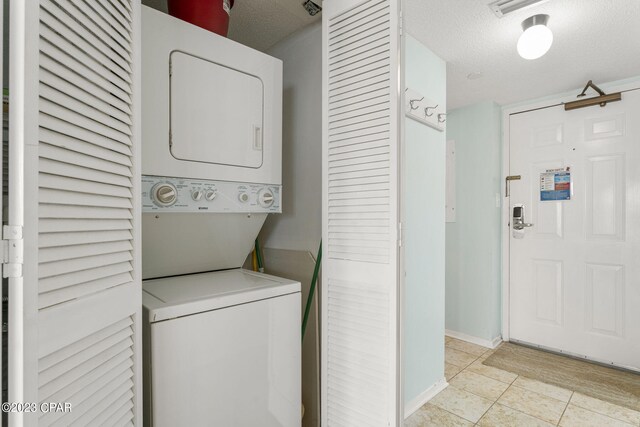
{"x": 77, "y": 309}
{"x": 360, "y": 352}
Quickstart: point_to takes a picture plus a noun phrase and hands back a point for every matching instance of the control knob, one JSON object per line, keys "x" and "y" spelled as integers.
{"x": 266, "y": 198}
{"x": 164, "y": 194}
{"x": 210, "y": 195}
{"x": 196, "y": 195}
{"x": 243, "y": 197}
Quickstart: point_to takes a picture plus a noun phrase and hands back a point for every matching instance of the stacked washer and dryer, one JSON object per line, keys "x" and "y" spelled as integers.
{"x": 221, "y": 344}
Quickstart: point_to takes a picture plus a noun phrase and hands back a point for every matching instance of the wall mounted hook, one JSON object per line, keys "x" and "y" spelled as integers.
{"x": 426, "y": 111}
{"x": 415, "y": 100}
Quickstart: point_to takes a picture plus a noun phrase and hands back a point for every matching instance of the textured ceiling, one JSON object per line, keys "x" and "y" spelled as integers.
{"x": 593, "y": 39}
{"x": 260, "y": 23}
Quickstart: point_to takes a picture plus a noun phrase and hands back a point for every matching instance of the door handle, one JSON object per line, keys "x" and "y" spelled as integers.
{"x": 518, "y": 218}
{"x": 518, "y": 225}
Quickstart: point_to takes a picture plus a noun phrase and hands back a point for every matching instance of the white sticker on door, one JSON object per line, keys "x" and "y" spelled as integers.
{"x": 555, "y": 184}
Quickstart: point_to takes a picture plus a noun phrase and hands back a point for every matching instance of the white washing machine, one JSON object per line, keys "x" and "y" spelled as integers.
{"x": 221, "y": 344}
{"x": 224, "y": 349}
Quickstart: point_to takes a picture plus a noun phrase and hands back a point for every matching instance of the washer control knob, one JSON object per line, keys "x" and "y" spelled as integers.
{"x": 196, "y": 195}
{"x": 164, "y": 194}
{"x": 210, "y": 195}
{"x": 265, "y": 198}
{"x": 243, "y": 197}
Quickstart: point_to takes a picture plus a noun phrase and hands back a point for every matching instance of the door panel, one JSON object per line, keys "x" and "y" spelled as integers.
{"x": 574, "y": 275}
{"x": 360, "y": 363}
{"x": 74, "y": 192}
{"x": 216, "y": 113}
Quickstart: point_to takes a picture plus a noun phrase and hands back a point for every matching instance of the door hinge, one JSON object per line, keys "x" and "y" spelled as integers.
{"x": 400, "y": 236}
{"x": 12, "y": 251}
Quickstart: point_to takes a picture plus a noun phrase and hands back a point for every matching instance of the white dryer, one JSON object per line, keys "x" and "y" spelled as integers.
{"x": 221, "y": 344}
{"x": 212, "y": 143}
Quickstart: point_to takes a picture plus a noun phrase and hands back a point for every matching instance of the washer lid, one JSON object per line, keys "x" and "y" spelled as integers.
{"x": 179, "y": 296}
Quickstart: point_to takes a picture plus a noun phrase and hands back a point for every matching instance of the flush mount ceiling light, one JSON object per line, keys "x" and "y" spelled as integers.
{"x": 536, "y": 39}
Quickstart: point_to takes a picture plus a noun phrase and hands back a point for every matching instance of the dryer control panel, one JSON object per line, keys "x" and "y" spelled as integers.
{"x": 163, "y": 194}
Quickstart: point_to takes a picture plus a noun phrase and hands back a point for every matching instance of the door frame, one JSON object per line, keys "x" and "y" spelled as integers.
{"x": 522, "y": 107}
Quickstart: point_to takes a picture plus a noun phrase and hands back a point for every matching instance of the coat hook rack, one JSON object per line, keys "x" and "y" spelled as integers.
{"x": 600, "y": 100}
{"x": 424, "y": 110}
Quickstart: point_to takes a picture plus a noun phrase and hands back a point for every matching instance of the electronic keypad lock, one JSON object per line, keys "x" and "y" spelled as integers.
{"x": 518, "y": 218}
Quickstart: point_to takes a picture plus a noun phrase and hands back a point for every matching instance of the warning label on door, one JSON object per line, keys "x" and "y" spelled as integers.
{"x": 555, "y": 184}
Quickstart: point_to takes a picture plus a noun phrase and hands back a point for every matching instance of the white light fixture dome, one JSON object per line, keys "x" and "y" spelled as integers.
{"x": 536, "y": 39}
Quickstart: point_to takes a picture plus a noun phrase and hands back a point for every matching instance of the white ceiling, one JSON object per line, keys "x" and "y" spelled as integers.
{"x": 593, "y": 39}
{"x": 260, "y": 23}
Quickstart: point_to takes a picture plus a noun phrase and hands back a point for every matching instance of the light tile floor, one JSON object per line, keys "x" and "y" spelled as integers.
{"x": 488, "y": 397}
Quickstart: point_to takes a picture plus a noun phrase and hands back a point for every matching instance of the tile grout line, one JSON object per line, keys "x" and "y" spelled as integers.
{"x": 495, "y": 401}
{"x": 565, "y": 408}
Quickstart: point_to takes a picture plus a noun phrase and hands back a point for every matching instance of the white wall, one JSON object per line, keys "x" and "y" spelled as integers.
{"x": 290, "y": 239}
{"x": 299, "y": 226}
{"x": 474, "y": 257}
{"x": 423, "y": 232}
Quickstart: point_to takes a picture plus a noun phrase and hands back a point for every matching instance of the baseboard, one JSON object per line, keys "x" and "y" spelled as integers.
{"x": 424, "y": 397}
{"x": 474, "y": 340}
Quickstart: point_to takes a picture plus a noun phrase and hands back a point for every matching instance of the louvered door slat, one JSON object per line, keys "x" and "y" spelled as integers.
{"x": 80, "y": 212}
{"x": 57, "y": 268}
{"x": 99, "y": 7}
{"x": 98, "y": 402}
{"x": 118, "y": 14}
{"x": 82, "y": 199}
{"x": 54, "y": 95}
{"x": 86, "y": 73}
{"x": 47, "y": 240}
{"x": 50, "y": 166}
{"x": 53, "y": 41}
{"x": 48, "y": 225}
{"x": 78, "y": 251}
{"x": 114, "y": 400}
{"x": 79, "y": 346}
{"x": 77, "y": 278}
{"x": 76, "y": 26}
{"x": 64, "y": 137}
{"x": 122, "y": 9}
{"x": 360, "y": 213}
{"x": 85, "y": 289}
{"x": 125, "y": 3}
{"x": 80, "y": 120}
{"x": 121, "y": 416}
{"x": 77, "y": 79}
{"x": 57, "y": 153}
{"x": 79, "y": 186}
{"x": 52, "y": 372}
{"x": 113, "y": 62}
{"x": 82, "y": 388}
{"x": 103, "y": 37}
{"x": 118, "y": 353}
{"x": 358, "y": 18}
{"x": 106, "y": 26}
{"x": 53, "y": 80}
{"x": 122, "y": 374}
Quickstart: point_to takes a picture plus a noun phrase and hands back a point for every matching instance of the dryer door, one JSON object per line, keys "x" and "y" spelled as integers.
{"x": 216, "y": 113}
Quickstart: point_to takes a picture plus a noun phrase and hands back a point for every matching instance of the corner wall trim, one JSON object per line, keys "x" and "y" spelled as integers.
{"x": 474, "y": 340}
{"x": 424, "y": 397}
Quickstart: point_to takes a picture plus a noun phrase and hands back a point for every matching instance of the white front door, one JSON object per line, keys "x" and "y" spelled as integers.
{"x": 575, "y": 272}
